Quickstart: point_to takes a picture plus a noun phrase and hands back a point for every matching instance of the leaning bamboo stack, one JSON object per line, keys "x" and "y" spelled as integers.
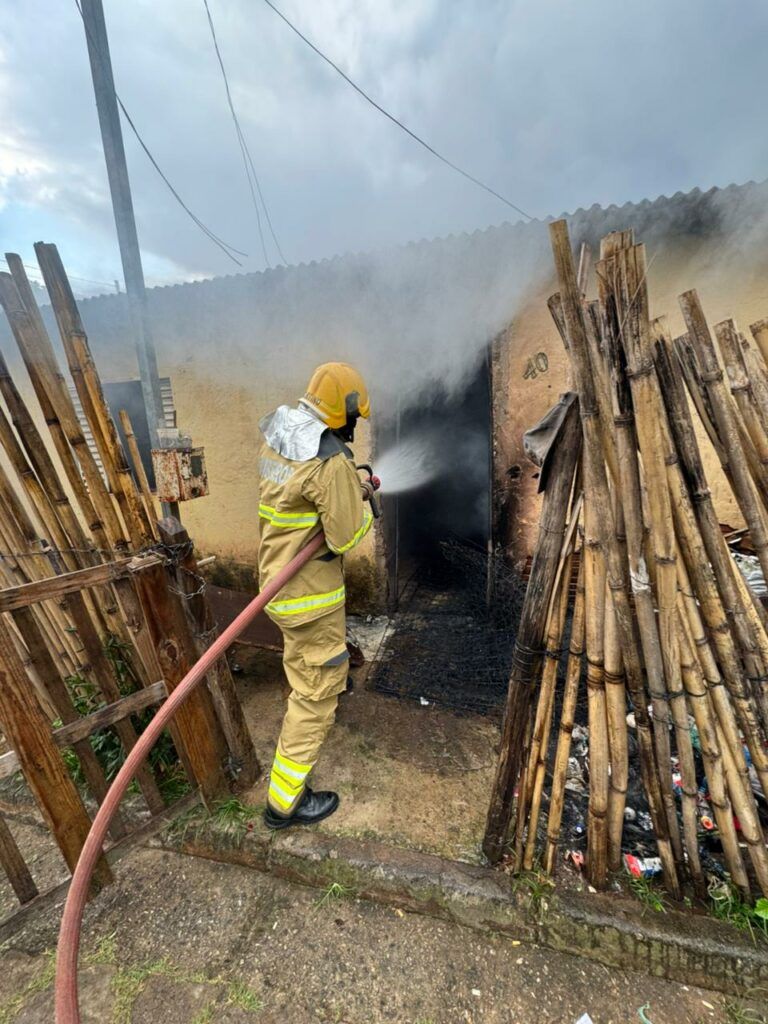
{"x": 664, "y": 624}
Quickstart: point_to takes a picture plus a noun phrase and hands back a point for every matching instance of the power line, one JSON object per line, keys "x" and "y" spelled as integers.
{"x": 225, "y": 247}
{"x": 73, "y": 277}
{"x": 393, "y": 119}
{"x": 250, "y": 171}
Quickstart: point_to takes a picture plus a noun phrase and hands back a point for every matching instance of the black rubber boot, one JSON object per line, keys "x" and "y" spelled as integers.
{"x": 312, "y": 808}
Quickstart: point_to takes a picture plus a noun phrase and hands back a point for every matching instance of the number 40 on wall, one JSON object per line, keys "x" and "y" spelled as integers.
{"x": 536, "y": 364}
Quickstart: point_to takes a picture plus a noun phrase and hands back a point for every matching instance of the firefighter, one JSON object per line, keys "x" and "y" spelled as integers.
{"x": 309, "y": 483}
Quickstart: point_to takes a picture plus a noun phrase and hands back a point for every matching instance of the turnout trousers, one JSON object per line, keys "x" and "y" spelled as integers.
{"x": 315, "y": 661}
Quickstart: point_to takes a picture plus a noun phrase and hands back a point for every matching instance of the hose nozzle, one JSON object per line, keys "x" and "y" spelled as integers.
{"x": 370, "y": 484}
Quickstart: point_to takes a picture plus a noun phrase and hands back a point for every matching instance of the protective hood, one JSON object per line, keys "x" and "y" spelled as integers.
{"x": 293, "y": 433}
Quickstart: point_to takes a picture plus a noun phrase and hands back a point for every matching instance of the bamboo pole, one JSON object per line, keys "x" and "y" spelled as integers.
{"x": 741, "y": 386}
{"x": 563, "y": 751}
{"x": 759, "y": 331}
{"x": 706, "y": 725}
{"x": 729, "y": 740}
{"x": 596, "y": 484}
{"x": 631, "y": 296}
{"x": 712, "y": 375}
{"x": 527, "y": 652}
{"x": 138, "y": 469}
{"x": 537, "y": 759}
{"x": 639, "y": 575}
{"x": 594, "y": 591}
{"x": 18, "y": 534}
{"x": 618, "y": 746}
{"x": 708, "y": 561}
{"x": 758, "y": 376}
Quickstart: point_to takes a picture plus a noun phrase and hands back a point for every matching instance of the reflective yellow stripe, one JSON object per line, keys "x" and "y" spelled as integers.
{"x": 367, "y": 520}
{"x": 288, "y": 520}
{"x": 291, "y": 768}
{"x": 281, "y": 798}
{"x": 297, "y": 605}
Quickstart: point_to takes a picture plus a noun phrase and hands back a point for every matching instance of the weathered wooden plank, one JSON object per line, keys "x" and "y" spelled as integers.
{"x": 196, "y": 728}
{"x": 28, "y": 732}
{"x": 138, "y": 469}
{"x": 219, "y": 679}
{"x": 73, "y": 582}
{"x": 88, "y": 385}
{"x": 100, "y": 672}
{"x": 15, "y": 866}
{"x": 81, "y": 728}
{"x": 110, "y": 714}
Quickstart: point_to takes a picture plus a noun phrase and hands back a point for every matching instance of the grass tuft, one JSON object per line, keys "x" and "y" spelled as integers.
{"x": 239, "y": 994}
{"x": 727, "y": 904}
{"x": 649, "y": 894}
{"x": 105, "y": 951}
{"x": 333, "y": 892}
{"x": 42, "y": 980}
{"x": 538, "y": 886}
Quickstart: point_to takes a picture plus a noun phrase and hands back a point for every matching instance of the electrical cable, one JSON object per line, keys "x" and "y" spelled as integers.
{"x": 394, "y": 120}
{"x": 250, "y": 170}
{"x": 73, "y": 277}
{"x": 225, "y": 247}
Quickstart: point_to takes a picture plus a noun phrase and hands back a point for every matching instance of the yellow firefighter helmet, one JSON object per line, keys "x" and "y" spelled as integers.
{"x": 337, "y": 393}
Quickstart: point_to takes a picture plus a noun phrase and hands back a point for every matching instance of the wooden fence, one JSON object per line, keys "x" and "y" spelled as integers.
{"x": 97, "y": 596}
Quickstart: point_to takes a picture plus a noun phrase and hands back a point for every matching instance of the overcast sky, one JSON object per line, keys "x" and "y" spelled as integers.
{"x": 554, "y": 103}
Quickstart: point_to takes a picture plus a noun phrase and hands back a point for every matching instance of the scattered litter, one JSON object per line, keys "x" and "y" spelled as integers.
{"x": 399, "y": 913}
{"x": 631, "y": 720}
{"x": 709, "y": 1006}
{"x": 641, "y": 1014}
{"x": 476, "y": 992}
{"x": 519, "y": 960}
{"x": 577, "y": 858}
{"x": 630, "y": 814}
{"x": 515, "y": 942}
{"x": 585, "y": 1019}
{"x": 424, "y": 702}
{"x": 642, "y": 867}
{"x": 749, "y": 566}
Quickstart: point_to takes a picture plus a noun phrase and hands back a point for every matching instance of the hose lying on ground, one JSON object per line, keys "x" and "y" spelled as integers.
{"x": 67, "y": 1010}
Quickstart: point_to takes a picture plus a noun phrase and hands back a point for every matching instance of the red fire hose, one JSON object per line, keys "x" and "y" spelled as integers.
{"x": 67, "y": 1010}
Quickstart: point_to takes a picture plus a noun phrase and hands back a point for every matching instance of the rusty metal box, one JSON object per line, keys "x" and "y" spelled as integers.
{"x": 180, "y": 473}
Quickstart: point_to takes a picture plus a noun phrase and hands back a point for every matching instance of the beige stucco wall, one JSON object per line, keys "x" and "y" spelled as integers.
{"x": 730, "y": 282}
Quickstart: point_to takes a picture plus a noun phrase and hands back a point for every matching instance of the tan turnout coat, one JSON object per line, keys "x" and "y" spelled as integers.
{"x": 296, "y": 501}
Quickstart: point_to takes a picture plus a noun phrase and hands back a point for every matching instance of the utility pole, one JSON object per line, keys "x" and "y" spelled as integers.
{"x": 122, "y": 206}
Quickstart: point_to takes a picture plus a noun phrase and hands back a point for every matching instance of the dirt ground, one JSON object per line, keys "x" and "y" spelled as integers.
{"x": 179, "y": 940}
{"x": 380, "y": 753}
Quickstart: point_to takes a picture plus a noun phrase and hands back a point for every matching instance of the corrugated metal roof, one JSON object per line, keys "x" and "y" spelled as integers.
{"x": 686, "y": 213}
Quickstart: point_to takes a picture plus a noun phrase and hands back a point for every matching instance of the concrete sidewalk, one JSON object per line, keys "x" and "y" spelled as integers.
{"x": 178, "y": 940}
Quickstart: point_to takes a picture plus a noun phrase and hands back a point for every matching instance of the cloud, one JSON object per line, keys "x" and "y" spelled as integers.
{"x": 554, "y": 104}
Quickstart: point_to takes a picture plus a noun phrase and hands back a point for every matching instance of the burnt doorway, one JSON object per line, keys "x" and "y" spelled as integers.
{"x": 447, "y": 643}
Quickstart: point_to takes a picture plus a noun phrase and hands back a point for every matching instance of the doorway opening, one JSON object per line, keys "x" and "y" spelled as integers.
{"x": 450, "y": 601}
